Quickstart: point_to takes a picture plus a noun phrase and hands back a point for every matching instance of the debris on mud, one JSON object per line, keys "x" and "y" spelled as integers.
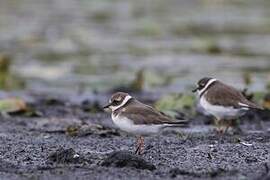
{"x": 12, "y": 105}
{"x": 91, "y": 128}
{"x": 127, "y": 159}
{"x": 65, "y": 156}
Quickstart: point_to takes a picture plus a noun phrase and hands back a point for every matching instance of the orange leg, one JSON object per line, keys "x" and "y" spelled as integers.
{"x": 228, "y": 125}
{"x": 223, "y": 126}
{"x": 140, "y": 145}
{"x": 218, "y": 126}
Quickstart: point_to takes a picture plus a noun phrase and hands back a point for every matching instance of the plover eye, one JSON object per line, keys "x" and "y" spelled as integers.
{"x": 118, "y": 99}
{"x": 115, "y": 102}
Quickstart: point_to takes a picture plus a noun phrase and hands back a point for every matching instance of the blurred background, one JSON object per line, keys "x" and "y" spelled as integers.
{"x": 160, "y": 46}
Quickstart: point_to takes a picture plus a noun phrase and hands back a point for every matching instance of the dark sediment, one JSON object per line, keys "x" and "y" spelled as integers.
{"x": 126, "y": 159}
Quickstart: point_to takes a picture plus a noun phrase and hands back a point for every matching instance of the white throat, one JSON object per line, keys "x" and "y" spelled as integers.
{"x": 127, "y": 98}
{"x": 206, "y": 86}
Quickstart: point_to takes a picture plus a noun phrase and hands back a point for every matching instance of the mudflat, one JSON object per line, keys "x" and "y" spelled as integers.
{"x": 62, "y": 140}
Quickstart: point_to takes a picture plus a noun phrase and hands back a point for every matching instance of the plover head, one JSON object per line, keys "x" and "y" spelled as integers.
{"x": 203, "y": 84}
{"x": 118, "y": 100}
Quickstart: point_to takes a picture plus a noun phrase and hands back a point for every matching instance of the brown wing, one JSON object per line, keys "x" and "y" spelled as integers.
{"x": 222, "y": 94}
{"x": 143, "y": 114}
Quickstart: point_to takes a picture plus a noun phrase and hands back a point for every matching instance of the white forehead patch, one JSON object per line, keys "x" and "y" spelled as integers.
{"x": 207, "y": 85}
{"x": 127, "y": 98}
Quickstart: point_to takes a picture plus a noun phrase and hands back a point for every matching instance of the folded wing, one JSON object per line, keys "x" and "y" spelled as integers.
{"x": 143, "y": 114}
{"x": 230, "y": 97}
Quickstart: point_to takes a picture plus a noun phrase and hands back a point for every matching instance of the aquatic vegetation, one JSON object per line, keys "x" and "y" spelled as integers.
{"x": 4, "y": 70}
{"x": 8, "y": 80}
{"x": 138, "y": 83}
{"x": 266, "y": 101}
{"x": 209, "y": 46}
{"x": 137, "y": 50}
{"x": 102, "y": 16}
{"x": 148, "y": 29}
{"x": 247, "y": 78}
{"x": 155, "y": 78}
{"x": 172, "y": 103}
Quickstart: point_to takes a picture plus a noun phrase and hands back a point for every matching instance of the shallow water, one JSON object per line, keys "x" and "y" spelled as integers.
{"x": 68, "y": 45}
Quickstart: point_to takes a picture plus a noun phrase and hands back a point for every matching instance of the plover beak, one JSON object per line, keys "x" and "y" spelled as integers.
{"x": 194, "y": 90}
{"x": 107, "y": 106}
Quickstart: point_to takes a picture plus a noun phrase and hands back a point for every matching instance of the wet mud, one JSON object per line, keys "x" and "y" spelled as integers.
{"x": 65, "y": 141}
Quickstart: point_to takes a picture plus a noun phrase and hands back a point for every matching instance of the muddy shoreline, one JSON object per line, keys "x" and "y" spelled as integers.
{"x": 64, "y": 140}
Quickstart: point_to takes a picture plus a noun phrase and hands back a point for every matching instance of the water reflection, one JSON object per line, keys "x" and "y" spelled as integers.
{"x": 65, "y": 44}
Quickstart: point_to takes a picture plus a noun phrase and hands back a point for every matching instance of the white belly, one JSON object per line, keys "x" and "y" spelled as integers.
{"x": 127, "y": 125}
{"x": 220, "y": 112}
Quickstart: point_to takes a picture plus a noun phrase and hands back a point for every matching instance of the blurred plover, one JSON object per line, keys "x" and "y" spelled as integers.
{"x": 222, "y": 101}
